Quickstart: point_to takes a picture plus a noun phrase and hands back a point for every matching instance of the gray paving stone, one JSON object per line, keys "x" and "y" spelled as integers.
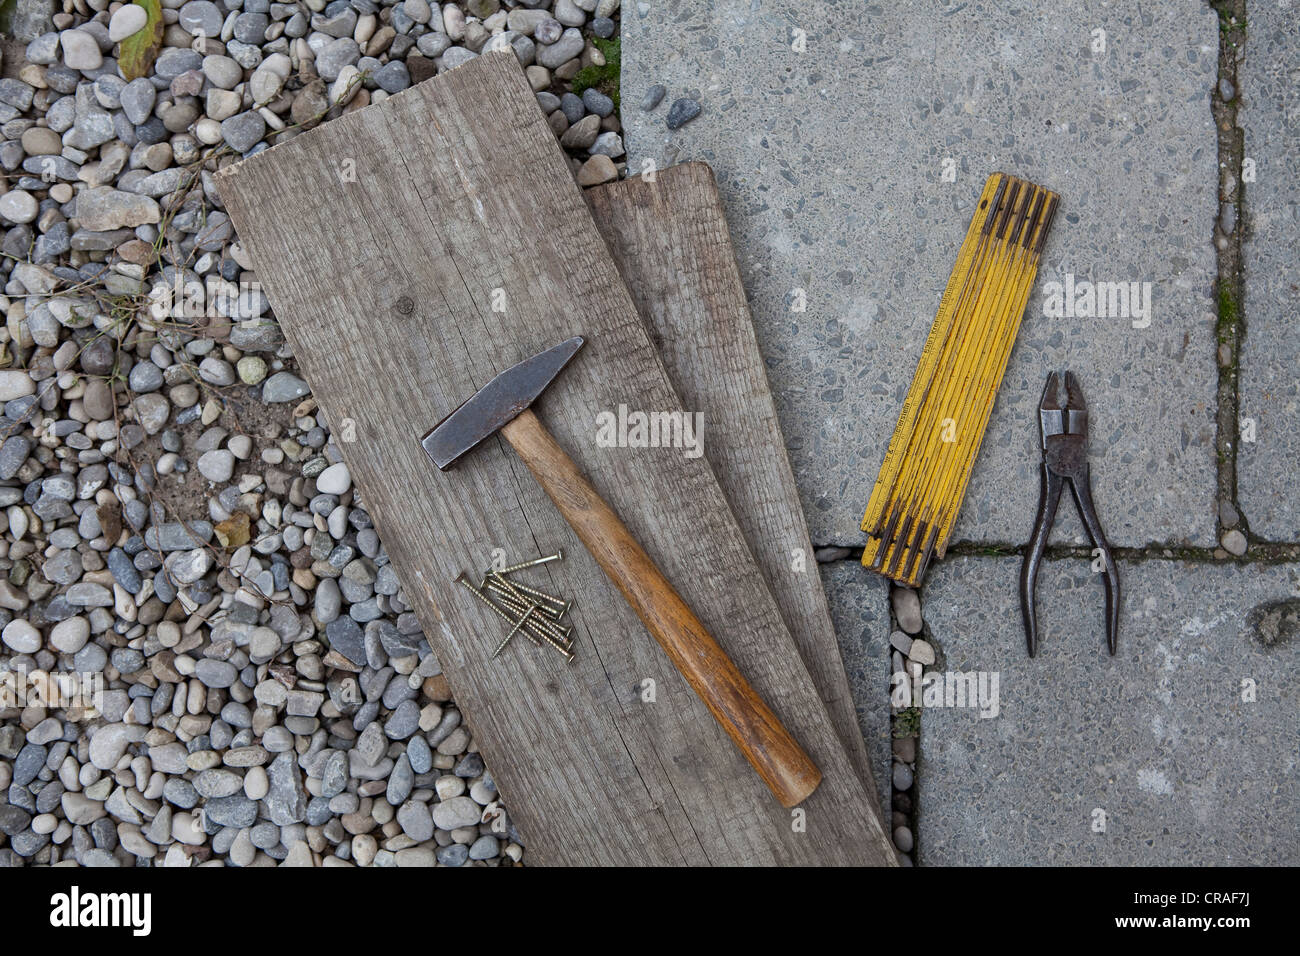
{"x": 831, "y": 162}
{"x": 859, "y": 603}
{"x": 1270, "y": 390}
{"x": 1159, "y": 737}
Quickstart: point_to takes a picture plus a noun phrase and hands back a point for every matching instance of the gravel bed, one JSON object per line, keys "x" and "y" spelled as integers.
{"x": 177, "y": 528}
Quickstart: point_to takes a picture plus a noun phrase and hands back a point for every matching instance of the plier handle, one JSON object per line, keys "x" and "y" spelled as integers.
{"x": 1065, "y": 461}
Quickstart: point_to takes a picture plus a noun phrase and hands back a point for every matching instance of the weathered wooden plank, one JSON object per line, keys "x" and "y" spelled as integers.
{"x": 669, "y": 237}
{"x": 454, "y": 202}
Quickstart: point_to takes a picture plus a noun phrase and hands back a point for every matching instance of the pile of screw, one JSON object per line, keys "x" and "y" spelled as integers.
{"x": 530, "y": 612}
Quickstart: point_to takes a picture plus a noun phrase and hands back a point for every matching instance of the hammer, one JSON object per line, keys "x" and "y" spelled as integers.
{"x": 504, "y": 404}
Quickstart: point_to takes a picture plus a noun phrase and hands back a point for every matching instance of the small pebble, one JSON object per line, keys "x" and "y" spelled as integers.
{"x": 126, "y": 20}
{"x": 653, "y": 97}
{"x": 682, "y": 112}
{"x": 1234, "y": 542}
{"x": 903, "y": 839}
{"x": 907, "y": 609}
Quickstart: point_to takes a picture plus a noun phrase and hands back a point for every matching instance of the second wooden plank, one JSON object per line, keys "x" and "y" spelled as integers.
{"x": 669, "y": 238}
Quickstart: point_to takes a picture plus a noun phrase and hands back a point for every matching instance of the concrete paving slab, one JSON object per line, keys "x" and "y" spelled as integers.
{"x": 1270, "y": 362}
{"x": 1159, "y": 743}
{"x": 832, "y": 163}
{"x": 859, "y": 603}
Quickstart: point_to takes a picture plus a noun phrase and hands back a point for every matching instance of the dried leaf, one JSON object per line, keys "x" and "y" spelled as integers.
{"x": 137, "y": 52}
{"x": 234, "y": 531}
{"x": 110, "y": 521}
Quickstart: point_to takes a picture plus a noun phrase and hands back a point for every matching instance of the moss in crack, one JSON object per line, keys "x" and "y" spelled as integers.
{"x": 1269, "y": 553}
{"x": 602, "y": 78}
{"x": 907, "y": 722}
{"x": 1228, "y": 315}
{"x": 1232, "y": 22}
{"x": 1231, "y": 325}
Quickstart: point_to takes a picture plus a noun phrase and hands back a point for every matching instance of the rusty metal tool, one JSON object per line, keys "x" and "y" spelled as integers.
{"x": 504, "y": 405}
{"x": 1065, "y": 461}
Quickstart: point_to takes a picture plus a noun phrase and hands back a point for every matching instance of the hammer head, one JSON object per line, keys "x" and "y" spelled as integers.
{"x": 496, "y": 403}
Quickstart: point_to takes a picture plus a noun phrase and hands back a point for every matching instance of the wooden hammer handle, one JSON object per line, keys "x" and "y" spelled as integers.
{"x": 766, "y": 744}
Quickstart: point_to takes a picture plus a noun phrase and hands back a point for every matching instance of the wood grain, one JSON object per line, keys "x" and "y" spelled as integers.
{"x": 669, "y": 237}
{"x": 384, "y": 240}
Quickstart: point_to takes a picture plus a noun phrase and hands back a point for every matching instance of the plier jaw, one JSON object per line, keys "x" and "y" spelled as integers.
{"x": 1055, "y": 419}
{"x": 1064, "y": 432}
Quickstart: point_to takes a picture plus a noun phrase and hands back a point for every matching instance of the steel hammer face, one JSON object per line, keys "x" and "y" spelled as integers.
{"x": 496, "y": 403}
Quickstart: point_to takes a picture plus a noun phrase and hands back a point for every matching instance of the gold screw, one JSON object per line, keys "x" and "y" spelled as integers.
{"x": 564, "y": 647}
{"x": 540, "y": 627}
{"x": 511, "y": 590}
{"x": 495, "y": 610}
{"x": 514, "y": 585}
{"x": 514, "y": 630}
{"x": 557, "y": 556}
{"x": 510, "y": 594}
{"x": 532, "y": 628}
{"x": 538, "y": 624}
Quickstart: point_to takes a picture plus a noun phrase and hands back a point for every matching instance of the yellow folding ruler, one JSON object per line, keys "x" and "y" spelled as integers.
{"x": 914, "y": 503}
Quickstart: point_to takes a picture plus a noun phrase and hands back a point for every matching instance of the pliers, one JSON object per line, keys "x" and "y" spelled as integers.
{"x": 1065, "y": 459}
